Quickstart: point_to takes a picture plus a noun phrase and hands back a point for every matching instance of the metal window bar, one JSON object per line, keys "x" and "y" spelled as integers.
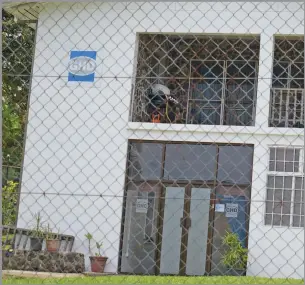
{"x": 281, "y": 99}
{"x": 225, "y": 109}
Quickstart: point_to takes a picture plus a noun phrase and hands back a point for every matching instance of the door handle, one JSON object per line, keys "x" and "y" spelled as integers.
{"x": 185, "y": 222}
{"x": 182, "y": 222}
{"x": 188, "y": 222}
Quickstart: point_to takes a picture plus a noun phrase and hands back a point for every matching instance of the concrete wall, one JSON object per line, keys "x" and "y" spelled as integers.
{"x": 77, "y": 133}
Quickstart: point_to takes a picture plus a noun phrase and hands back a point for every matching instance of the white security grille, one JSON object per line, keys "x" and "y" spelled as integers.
{"x": 287, "y": 108}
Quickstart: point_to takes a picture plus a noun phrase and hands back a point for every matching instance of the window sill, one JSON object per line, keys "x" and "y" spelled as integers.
{"x": 188, "y": 128}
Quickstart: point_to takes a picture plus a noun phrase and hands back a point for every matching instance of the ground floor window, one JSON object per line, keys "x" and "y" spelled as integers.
{"x": 181, "y": 199}
{"x": 285, "y": 187}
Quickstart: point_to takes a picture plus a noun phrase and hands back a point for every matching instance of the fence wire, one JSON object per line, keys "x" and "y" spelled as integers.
{"x": 153, "y": 142}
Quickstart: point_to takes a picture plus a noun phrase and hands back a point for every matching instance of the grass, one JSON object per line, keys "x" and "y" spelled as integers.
{"x": 150, "y": 280}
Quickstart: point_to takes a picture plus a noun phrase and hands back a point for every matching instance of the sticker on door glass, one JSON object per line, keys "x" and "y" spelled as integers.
{"x": 231, "y": 210}
{"x": 220, "y": 208}
{"x": 142, "y": 206}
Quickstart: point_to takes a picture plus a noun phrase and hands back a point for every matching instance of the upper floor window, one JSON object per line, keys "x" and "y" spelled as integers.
{"x": 193, "y": 79}
{"x": 287, "y": 94}
{"x": 285, "y": 187}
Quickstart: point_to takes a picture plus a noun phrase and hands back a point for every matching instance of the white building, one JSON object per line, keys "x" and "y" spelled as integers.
{"x": 78, "y": 132}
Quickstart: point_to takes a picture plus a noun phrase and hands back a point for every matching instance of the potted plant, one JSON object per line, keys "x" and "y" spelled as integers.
{"x": 98, "y": 261}
{"x": 37, "y": 235}
{"x": 235, "y": 257}
{"x": 52, "y": 240}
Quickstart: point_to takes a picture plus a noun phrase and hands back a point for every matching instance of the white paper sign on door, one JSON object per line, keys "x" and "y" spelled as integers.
{"x": 142, "y": 206}
{"x": 231, "y": 210}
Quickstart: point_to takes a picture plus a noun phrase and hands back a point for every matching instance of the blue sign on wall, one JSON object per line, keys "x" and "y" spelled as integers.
{"x": 82, "y": 66}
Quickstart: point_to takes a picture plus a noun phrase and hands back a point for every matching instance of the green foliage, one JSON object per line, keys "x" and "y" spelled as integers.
{"x": 235, "y": 256}
{"x": 99, "y": 246}
{"x": 38, "y": 230}
{"x": 9, "y": 203}
{"x": 17, "y": 56}
{"x": 7, "y": 240}
{"x": 89, "y": 236}
{"x": 49, "y": 233}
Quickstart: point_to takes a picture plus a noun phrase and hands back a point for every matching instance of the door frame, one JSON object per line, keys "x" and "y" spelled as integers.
{"x": 184, "y": 235}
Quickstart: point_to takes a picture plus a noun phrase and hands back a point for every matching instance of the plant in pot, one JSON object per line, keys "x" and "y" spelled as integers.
{"x": 52, "y": 240}
{"x": 98, "y": 261}
{"x": 235, "y": 257}
{"x": 37, "y": 235}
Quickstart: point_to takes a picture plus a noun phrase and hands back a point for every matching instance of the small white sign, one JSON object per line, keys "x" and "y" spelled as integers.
{"x": 142, "y": 206}
{"x": 219, "y": 208}
{"x": 231, "y": 210}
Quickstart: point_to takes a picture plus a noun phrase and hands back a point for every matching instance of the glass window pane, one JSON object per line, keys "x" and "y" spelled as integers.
{"x": 280, "y": 166}
{"x": 277, "y": 207}
{"x": 145, "y": 161}
{"x": 272, "y": 166}
{"x": 280, "y": 154}
{"x": 190, "y": 162}
{"x": 268, "y": 219}
{"x": 299, "y": 183}
{"x": 241, "y": 69}
{"x": 286, "y": 209}
{"x": 235, "y": 164}
{"x": 287, "y": 195}
{"x": 289, "y": 167}
{"x": 296, "y": 221}
{"x": 280, "y": 75}
{"x": 272, "y": 154}
{"x": 269, "y": 206}
{"x": 276, "y": 220}
{"x": 285, "y": 220}
{"x": 271, "y": 181}
{"x": 207, "y": 69}
{"x": 280, "y": 182}
{"x": 287, "y": 182}
{"x": 206, "y": 90}
{"x": 289, "y": 155}
{"x": 204, "y": 112}
{"x": 297, "y": 73}
{"x": 272, "y": 159}
{"x": 297, "y": 207}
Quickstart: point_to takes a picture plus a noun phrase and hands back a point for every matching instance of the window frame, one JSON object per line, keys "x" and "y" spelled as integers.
{"x": 294, "y": 175}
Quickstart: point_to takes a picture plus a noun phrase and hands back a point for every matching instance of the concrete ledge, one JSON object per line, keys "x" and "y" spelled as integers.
{"x": 99, "y": 274}
{"x": 30, "y": 274}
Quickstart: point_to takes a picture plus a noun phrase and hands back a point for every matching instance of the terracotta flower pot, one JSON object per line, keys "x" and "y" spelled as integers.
{"x": 52, "y": 245}
{"x": 98, "y": 263}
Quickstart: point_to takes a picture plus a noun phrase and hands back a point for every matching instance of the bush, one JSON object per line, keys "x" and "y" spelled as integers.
{"x": 9, "y": 203}
{"x": 235, "y": 256}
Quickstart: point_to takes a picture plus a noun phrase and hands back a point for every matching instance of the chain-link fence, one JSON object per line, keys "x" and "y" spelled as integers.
{"x": 150, "y": 142}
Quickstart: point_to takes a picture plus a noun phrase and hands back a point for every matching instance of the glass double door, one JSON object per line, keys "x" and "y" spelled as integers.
{"x": 184, "y": 230}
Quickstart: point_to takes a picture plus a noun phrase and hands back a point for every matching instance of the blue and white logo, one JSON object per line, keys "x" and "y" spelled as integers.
{"x": 82, "y": 66}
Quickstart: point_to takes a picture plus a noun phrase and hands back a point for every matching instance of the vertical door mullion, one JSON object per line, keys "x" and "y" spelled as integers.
{"x": 223, "y": 93}
{"x": 186, "y": 213}
{"x": 292, "y": 201}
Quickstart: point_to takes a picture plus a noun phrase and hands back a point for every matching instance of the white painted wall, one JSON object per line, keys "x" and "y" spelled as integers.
{"x": 77, "y": 133}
